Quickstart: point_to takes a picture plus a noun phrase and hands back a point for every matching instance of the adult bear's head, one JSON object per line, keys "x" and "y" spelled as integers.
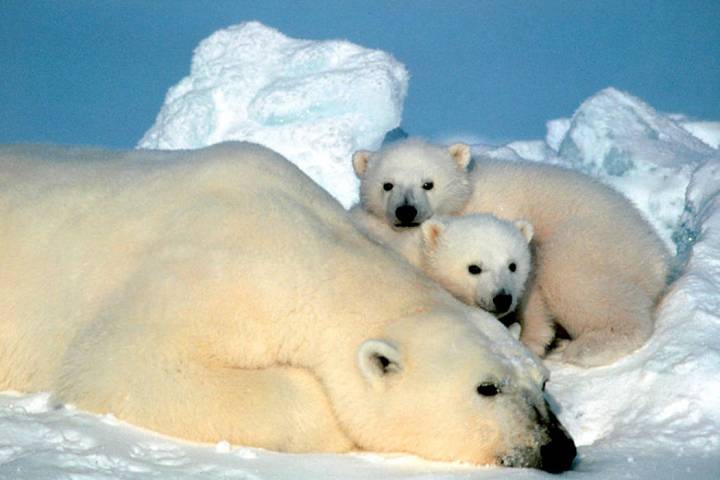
{"x": 450, "y": 388}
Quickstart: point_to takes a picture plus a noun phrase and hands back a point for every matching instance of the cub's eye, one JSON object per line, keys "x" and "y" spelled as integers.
{"x": 488, "y": 389}
{"x": 428, "y": 185}
{"x": 474, "y": 269}
{"x": 387, "y": 186}
{"x": 512, "y": 267}
{"x": 544, "y": 385}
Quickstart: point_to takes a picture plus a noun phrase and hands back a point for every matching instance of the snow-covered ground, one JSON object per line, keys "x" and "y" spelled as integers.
{"x": 654, "y": 414}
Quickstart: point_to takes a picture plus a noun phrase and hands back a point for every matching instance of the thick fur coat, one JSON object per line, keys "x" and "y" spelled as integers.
{"x": 221, "y": 294}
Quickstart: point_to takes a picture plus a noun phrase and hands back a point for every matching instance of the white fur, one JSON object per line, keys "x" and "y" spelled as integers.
{"x": 410, "y": 167}
{"x": 498, "y": 249}
{"x": 404, "y": 241}
{"x": 600, "y": 268}
{"x": 220, "y": 294}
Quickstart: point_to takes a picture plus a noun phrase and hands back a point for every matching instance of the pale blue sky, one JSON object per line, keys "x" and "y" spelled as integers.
{"x": 96, "y": 72}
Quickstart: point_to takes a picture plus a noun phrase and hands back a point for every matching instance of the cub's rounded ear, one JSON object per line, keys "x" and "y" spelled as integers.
{"x": 525, "y": 228}
{"x": 431, "y": 231}
{"x": 378, "y": 359}
{"x": 461, "y": 154}
{"x": 360, "y": 162}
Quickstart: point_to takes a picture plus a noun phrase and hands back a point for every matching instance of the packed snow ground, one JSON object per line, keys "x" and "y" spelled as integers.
{"x": 654, "y": 414}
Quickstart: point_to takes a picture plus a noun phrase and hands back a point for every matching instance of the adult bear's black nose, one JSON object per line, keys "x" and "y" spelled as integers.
{"x": 558, "y": 454}
{"x": 406, "y": 214}
{"x": 502, "y": 302}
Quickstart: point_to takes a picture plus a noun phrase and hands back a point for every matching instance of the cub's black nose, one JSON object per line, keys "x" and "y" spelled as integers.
{"x": 502, "y": 302}
{"x": 406, "y": 213}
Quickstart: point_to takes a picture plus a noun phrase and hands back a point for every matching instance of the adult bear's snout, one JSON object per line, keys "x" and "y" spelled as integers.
{"x": 558, "y": 453}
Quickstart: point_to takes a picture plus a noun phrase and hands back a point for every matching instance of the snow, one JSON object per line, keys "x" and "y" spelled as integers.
{"x": 535, "y": 150}
{"x": 708, "y": 132}
{"x": 38, "y": 442}
{"x": 624, "y": 142}
{"x": 641, "y": 152}
{"x": 556, "y": 131}
{"x": 652, "y": 415}
{"x": 316, "y": 102}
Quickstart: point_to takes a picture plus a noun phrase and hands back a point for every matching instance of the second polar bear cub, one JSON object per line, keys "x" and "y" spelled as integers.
{"x": 479, "y": 258}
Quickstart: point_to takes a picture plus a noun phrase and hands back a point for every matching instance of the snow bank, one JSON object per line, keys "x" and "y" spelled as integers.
{"x": 661, "y": 406}
{"x": 708, "y": 132}
{"x": 316, "y": 102}
{"x": 618, "y": 138}
{"x": 556, "y": 131}
{"x": 625, "y": 142}
{"x": 38, "y": 443}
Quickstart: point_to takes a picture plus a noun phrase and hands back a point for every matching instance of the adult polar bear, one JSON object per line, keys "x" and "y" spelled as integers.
{"x": 599, "y": 266}
{"x": 221, "y": 294}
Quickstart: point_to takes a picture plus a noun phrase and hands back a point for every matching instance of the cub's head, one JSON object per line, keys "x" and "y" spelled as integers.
{"x": 482, "y": 260}
{"x": 410, "y": 181}
{"x": 444, "y": 390}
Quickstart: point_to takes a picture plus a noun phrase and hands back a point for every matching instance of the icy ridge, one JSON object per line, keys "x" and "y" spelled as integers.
{"x": 708, "y": 132}
{"x": 664, "y": 400}
{"x": 624, "y": 142}
{"x": 315, "y": 102}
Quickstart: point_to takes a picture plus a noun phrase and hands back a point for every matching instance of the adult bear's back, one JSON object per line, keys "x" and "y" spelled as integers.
{"x": 80, "y": 228}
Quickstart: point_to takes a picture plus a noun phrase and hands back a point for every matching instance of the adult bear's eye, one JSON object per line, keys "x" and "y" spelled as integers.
{"x": 474, "y": 269}
{"x": 428, "y": 185}
{"x": 512, "y": 267}
{"x": 488, "y": 389}
{"x": 387, "y": 186}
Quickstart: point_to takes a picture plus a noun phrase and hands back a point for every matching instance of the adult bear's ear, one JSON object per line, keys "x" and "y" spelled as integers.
{"x": 461, "y": 154}
{"x": 431, "y": 231}
{"x": 377, "y": 360}
{"x": 525, "y": 228}
{"x": 360, "y": 162}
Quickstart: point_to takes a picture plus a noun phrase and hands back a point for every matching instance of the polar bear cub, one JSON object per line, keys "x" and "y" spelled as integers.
{"x": 410, "y": 181}
{"x": 405, "y": 184}
{"x": 482, "y": 260}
